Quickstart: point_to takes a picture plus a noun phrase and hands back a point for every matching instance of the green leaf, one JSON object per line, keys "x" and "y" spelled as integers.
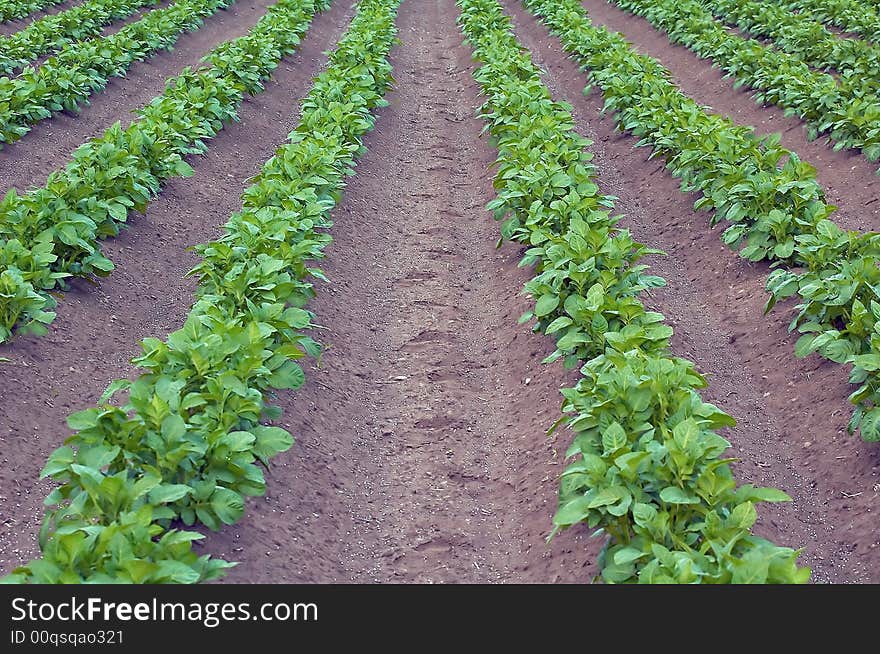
{"x": 82, "y": 420}
{"x": 595, "y": 297}
{"x": 560, "y": 323}
{"x": 613, "y": 438}
{"x": 784, "y": 250}
{"x": 675, "y": 495}
{"x": 113, "y": 388}
{"x": 183, "y": 169}
{"x": 58, "y": 461}
{"x": 747, "y": 492}
{"x": 804, "y": 346}
{"x": 572, "y": 512}
{"x": 169, "y": 493}
{"x": 546, "y": 304}
{"x": 271, "y": 441}
{"x": 227, "y": 505}
{"x": 743, "y": 516}
{"x": 173, "y": 427}
{"x": 644, "y": 514}
{"x": 288, "y": 375}
{"x": 869, "y": 428}
{"x": 627, "y": 555}
{"x": 686, "y": 433}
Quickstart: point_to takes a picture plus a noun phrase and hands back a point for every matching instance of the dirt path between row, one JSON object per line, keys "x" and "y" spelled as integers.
{"x": 848, "y": 178}
{"x": 420, "y": 453}
{"x": 98, "y": 328}
{"x": 792, "y": 413}
{"x": 51, "y": 142}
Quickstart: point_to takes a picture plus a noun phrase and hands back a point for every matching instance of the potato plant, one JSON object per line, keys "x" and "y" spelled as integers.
{"x": 52, "y": 233}
{"x": 51, "y": 33}
{"x": 66, "y": 81}
{"x": 838, "y": 109}
{"x": 190, "y": 442}
{"x": 16, "y": 9}
{"x": 648, "y": 469}
{"x": 774, "y": 207}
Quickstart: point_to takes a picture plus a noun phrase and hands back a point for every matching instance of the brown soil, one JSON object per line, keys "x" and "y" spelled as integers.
{"x": 98, "y": 328}
{"x": 51, "y": 142}
{"x": 792, "y": 413}
{"x": 847, "y": 177}
{"x": 420, "y": 453}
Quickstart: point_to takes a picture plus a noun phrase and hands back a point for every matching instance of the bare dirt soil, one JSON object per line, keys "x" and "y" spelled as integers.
{"x": 792, "y": 413}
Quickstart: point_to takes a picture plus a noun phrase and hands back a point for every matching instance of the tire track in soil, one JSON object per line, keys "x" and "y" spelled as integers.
{"x": 420, "y": 452}
{"x": 848, "y": 178}
{"x": 51, "y": 142}
{"x": 98, "y": 327}
{"x": 792, "y": 413}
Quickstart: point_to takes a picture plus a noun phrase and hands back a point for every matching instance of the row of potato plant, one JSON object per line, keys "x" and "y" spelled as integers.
{"x": 836, "y": 108}
{"x": 51, "y": 33}
{"x": 648, "y": 468}
{"x": 771, "y": 199}
{"x": 52, "y": 233}
{"x": 855, "y": 16}
{"x": 66, "y": 80}
{"x": 187, "y": 445}
{"x": 856, "y": 61}
{"x": 16, "y": 9}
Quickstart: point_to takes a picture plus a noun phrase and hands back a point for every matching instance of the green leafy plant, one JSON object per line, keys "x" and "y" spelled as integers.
{"x": 648, "y": 468}
{"x": 15, "y": 9}
{"x": 190, "y": 442}
{"x": 839, "y": 108}
{"x": 775, "y": 207}
{"x": 856, "y": 62}
{"x": 51, "y": 33}
{"x": 52, "y": 233}
{"x": 67, "y": 80}
{"x": 854, "y": 16}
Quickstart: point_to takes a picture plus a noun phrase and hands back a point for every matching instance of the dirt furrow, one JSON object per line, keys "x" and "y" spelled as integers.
{"x": 847, "y": 177}
{"x": 420, "y": 453}
{"x": 792, "y": 413}
{"x": 51, "y": 142}
{"x": 98, "y": 328}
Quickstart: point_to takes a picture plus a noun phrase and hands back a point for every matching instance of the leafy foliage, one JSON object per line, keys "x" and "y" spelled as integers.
{"x": 51, "y": 33}
{"x": 841, "y": 109}
{"x": 67, "y": 80}
{"x": 854, "y": 16}
{"x": 51, "y": 233}
{"x": 775, "y": 206}
{"x": 857, "y": 61}
{"x": 189, "y": 443}
{"x": 15, "y": 9}
{"x": 648, "y": 469}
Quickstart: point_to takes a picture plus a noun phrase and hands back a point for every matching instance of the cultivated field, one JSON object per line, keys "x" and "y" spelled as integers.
{"x": 344, "y": 257}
